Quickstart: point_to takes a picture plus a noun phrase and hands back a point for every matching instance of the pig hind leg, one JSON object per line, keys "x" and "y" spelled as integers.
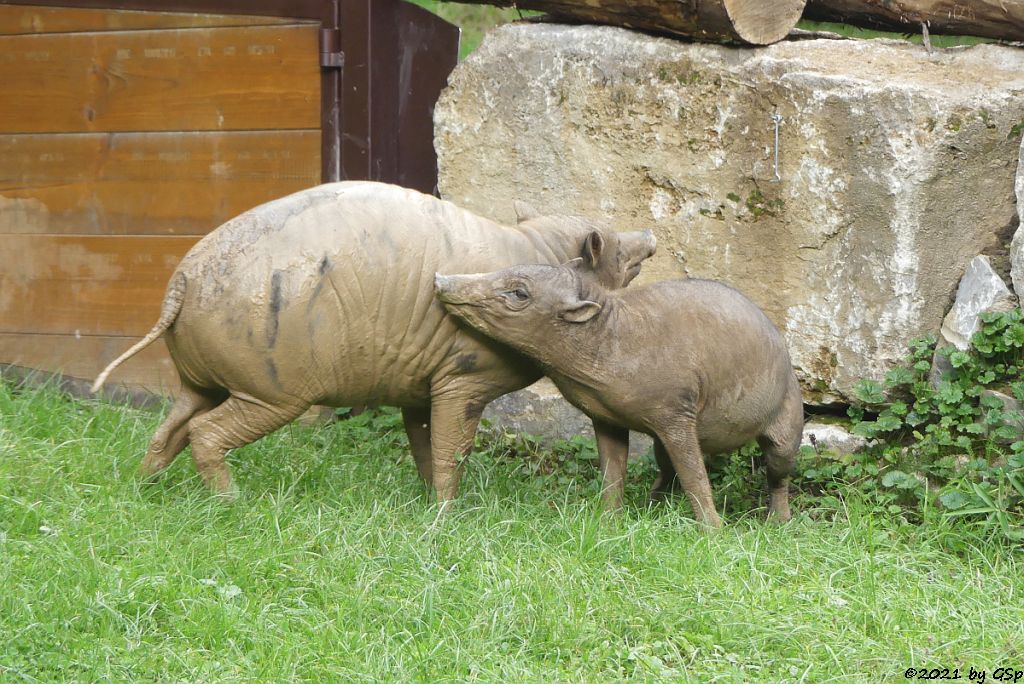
{"x": 233, "y": 424}
{"x": 667, "y": 481}
{"x": 417, "y": 428}
{"x": 172, "y": 435}
{"x": 780, "y": 443}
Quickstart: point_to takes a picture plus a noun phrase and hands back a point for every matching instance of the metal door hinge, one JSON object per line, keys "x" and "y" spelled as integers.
{"x": 331, "y": 56}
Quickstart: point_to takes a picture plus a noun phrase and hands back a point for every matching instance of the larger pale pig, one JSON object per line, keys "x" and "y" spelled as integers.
{"x": 326, "y": 297}
{"x": 691, "y": 362}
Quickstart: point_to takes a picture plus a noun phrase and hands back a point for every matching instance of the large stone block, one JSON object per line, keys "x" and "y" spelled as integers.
{"x": 895, "y": 168}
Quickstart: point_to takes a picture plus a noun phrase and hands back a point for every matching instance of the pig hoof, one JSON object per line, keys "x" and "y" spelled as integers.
{"x": 148, "y": 469}
{"x": 660, "y": 496}
{"x": 229, "y": 495}
{"x": 147, "y": 474}
{"x": 711, "y": 522}
{"x": 444, "y": 510}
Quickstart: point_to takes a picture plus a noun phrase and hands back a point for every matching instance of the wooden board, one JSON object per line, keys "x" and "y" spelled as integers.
{"x": 21, "y": 19}
{"x": 85, "y": 356}
{"x": 259, "y": 77}
{"x": 147, "y": 183}
{"x": 85, "y": 285}
{"x": 124, "y": 136}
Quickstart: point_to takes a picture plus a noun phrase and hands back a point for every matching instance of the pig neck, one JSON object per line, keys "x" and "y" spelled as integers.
{"x": 589, "y": 347}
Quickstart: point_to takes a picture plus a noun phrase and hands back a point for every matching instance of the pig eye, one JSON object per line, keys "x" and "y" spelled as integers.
{"x": 517, "y": 296}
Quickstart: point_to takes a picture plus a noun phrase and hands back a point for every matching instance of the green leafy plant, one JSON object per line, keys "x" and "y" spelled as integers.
{"x": 995, "y": 501}
{"x": 568, "y": 464}
{"x": 945, "y": 440}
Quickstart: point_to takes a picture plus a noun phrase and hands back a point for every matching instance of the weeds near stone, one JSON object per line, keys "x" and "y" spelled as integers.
{"x": 953, "y": 442}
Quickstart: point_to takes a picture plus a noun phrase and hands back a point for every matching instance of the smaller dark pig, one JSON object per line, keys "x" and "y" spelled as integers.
{"x": 693, "y": 363}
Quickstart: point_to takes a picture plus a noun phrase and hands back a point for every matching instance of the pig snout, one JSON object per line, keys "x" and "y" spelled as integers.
{"x": 651, "y": 243}
{"x": 455, "y": 289}
{"x": 442, "y": 286}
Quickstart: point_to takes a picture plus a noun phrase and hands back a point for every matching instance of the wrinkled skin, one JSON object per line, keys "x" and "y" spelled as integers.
{"x": 326, "y": 297}
{"x": 693, "y": 363}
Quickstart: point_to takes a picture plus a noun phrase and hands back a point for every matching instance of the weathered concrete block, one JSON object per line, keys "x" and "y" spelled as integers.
{"x": 896, "y": 168}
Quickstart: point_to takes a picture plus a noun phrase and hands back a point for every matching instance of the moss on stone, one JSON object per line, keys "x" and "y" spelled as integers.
{"x": 758, "y": 205}
{"x": 1015, "y": 130}
{"x": 717, "y": 213}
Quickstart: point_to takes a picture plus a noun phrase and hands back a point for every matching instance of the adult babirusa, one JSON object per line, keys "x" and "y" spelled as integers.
{"x": 326, "y": 297}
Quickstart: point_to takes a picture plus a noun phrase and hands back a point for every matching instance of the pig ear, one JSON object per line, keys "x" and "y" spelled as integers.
{"x": 592, "y": 249}
{"x": 580, "y": 311}
{"x": 525, "y": 211}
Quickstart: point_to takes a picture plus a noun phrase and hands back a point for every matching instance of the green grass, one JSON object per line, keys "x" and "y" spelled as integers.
{"x": 331, "y": 568}
{"x": 474, "y": 20}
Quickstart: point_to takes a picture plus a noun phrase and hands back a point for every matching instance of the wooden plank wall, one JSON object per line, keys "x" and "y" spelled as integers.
{"x": 124, "y": 137}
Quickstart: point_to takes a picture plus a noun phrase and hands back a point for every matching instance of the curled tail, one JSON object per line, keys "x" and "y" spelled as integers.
{"x": 168, "y": 313}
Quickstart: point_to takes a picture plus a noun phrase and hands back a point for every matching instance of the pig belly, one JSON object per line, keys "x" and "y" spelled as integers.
{"x": 737, "y": 416}
{"x": 293, "y": 361}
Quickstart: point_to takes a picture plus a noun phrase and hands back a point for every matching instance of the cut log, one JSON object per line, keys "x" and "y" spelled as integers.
{"x": 758, "y": 22}
{"x": 1000, "y": 19}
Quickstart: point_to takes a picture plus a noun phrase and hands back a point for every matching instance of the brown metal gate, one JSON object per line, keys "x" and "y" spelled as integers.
{"x": 127, "y": 133}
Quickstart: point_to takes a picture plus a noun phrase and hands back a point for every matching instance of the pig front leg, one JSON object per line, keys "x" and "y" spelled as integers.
{"x": 680, "y": 441}
{"x": 612, "y": 451}
{"x": 417, "y": 428}
{"x": 454, "y": 417}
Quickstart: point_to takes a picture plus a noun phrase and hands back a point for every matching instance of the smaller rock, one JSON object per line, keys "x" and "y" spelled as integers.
{"x": 1009, "y": 403}
{"x": 981, "y": 289}
{"x": 829, "y": 439}
{"x": 1017, "y": 244}
{"x": 1014, "y": 410}
{"x": 942, "y": 368}
{"x": 1017, "y": 252}
{"x": 540, "y": 411}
